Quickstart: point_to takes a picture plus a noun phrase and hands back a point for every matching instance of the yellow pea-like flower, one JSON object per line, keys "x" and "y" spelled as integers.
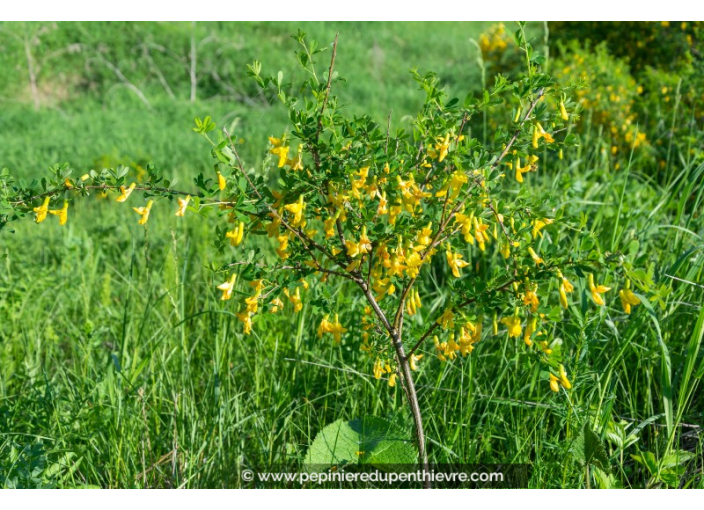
{"x": 144, "y": 212}
{"x": 246, "y": 318}
{"x": 597, "y": 290}
{"x": 182, "y": 205}
{"x": 378, "y": 369}
{"x": 563, "y": 296}
{"x": 296, "y": 209}
{"x": 538, "y": 133}
{"x": 554, "y": 383}
{"x": 61, "y": 213}
{"x": 125, "y": 192}
{"x": 628, "y": 298}
{"x": 295, "y": 299}
{"x": 454, "y": 260}
{"x": 513, "y": 324}
{"x": 227, "y": 287}
{"x": 415, "y": 358}
{"x": 563, "y": 378}
{"x": 235, "y": 236}
{"x": 42, "y": 210}
{"x": 535, "y": 256}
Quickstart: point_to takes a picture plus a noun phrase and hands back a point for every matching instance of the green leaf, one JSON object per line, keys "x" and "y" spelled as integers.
{"x": 606, "y": 480}
{"x": 368, "y": 440}
{"x": 588, "y": 449}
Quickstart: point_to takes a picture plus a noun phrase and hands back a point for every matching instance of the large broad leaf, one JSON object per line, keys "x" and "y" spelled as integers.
{"x": 589, "y": 449}
{"x": 368, "y": 440}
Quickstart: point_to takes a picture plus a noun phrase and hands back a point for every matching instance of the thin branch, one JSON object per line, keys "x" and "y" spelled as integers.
{"x": 327, "y": 87}
{"x": 518, "y": 129}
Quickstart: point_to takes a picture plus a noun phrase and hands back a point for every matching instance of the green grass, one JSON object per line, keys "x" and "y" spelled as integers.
{"x": 120, "y": 366}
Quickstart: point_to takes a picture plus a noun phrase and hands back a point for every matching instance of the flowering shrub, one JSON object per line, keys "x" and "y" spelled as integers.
{"x": 348, "y": 198}
{"x": 666, "y": 45}
{"x": 609, "y": 94}
{"x": 638, "y": 96}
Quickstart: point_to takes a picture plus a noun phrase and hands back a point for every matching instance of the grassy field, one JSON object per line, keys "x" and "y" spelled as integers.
{"x": 120, "y": 366}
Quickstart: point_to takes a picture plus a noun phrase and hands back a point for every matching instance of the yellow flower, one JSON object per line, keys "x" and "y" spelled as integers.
{"x": 534, "y": 256}
{"x": 563, "y": 378}
{"x": 126, "y": 192}
{"x": 182, "y": 204}
{"x": 378, "y": 369}
{"x": 505, "y": 250}
{"x": 544, "y": 346}
{"x": 61, "y": 213}
{"x": 227, "y": 288}
{"x": 235, "y": 236}
{"x": 455, "y": 262}
{"x": 282, "y": 250}
{"x": 331, "y": 327}
{"x": 531, "y": 328}
{"x": 392, "y": 380}
{"x": 296, "y": 163}
{"x": 531, "y": 298}
{"x": 296, "y": 209}
{"x": 563, "y": 111}
{"x": 413, "y": 264}
{"x": 513, "y": 324}
{"x": 329, "y": 227}
{"x": 246, "y": 318}
{"x": 42, "y": 210}
{"x": 252, "y": 303}
{"x": 441, "y": 148}
{"x": 538, "y": 133}
{"x": 563, "y": 296}
{"x": 554, "y": 386}
{"x": 222, "y": 183}
{"x": 144, "y": 212}
{"x": 423, "y": 239}
{"x": 324, "y": 326}
{"x": 415, "y": 358}
{"x": 628, "y": 299}
{"x": 363, "y": 246}
{"x": 538, "y": 226}
{"x": 565, "y": 282}
{"x": 336, "y": 329}
{"x": 295, "y": 299}
{"x": 272, "y": 228}
{"x": 383, "y": 205}
{"x": 413, "y": 303}
{"x": 276, "y": 305}
{"x": 447, "y": 319}
{"x": 282, "y": 153}
{"x": 358, "y": 184}
{"x": 597, "y": 290}
{"x": 454, "y": 185}
{"x": 530, "y": 167}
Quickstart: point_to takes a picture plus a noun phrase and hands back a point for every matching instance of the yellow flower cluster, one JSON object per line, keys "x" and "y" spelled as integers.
{"x": 468, "y": 335}
{"x": 43, "y": 210}
{"x": 335, "y": 328}
{"x": 561, "y": 380}
{"x": 495, "y": 41}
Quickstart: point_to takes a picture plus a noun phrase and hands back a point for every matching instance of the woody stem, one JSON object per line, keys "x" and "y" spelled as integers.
{"x": 409, "y": 386}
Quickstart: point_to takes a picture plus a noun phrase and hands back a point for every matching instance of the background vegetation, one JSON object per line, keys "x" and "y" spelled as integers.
{"x": 119, "y": 367}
